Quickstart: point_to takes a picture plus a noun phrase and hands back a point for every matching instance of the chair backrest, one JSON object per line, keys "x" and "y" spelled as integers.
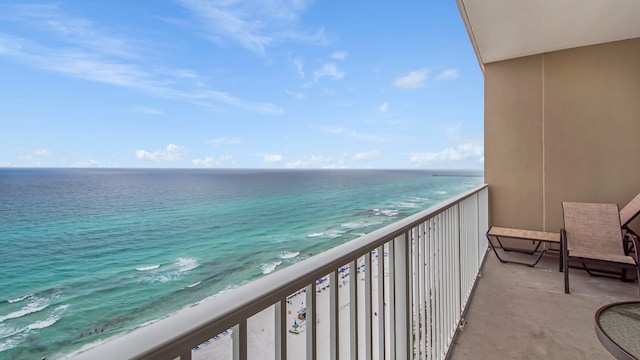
{"x": 630, "y": 211}
{"x": 593, "y": 228}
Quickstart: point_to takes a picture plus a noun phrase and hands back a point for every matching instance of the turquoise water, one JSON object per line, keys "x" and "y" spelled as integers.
{"x": 87, "y": 254}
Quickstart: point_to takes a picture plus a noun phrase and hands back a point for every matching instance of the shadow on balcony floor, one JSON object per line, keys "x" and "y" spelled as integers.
{"x": 519, "y": 312}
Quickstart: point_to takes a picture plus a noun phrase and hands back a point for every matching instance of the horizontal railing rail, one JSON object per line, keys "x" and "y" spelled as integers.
{"x": 418, "y": 276}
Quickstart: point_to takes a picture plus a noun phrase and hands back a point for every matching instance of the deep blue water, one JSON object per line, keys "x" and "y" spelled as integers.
{"x": 110, "y": 249}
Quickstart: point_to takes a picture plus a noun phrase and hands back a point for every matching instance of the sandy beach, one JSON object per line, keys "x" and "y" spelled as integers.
{"x": 260, "y": 332}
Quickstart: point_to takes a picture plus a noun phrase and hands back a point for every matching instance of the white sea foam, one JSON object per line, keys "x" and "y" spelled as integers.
{"x": 408, "y": 205}
{"x": 440, "y": 192}
{"x": 162, "y": 278}
{"x": 52, "y": 319}
{"x": 170, "y": 273}
{"x": 330, "y": 234}
{"x": 360, "y": 224}
{"x": 187, "y": 264}
{"x": 194, "y": 284}
{"x": 271, "y": 267}
{"x": 390, "y": 212}
{"x": 7, "y": 331}
{"x": 10, "y": 344}
{"x": 288, "y": 254}
{"x": 11, "y": 301}
{"x": 333, "y": 233}
{"x": 33, "y": 307}
{"x": 147, "y": 268}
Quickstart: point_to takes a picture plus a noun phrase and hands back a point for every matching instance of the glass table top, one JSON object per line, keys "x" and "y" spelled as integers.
{"x": 620, "y": 324}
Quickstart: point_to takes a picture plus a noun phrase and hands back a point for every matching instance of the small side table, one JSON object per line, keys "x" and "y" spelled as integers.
{"x": 618, "y": 329}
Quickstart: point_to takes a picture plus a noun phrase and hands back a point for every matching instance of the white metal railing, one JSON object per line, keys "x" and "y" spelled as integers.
{"x": 408, "y": 285}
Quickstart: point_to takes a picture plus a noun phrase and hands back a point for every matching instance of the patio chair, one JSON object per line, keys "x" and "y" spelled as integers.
{"x": 592, "y": 235}
{"x": 627, "y": 215}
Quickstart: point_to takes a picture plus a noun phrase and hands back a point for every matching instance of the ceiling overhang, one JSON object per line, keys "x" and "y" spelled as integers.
{"x": 507, "y": 29}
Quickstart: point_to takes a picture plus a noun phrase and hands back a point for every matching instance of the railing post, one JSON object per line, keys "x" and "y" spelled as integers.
{"x": 353, "y": 309}
{"x": 403, "y": 308}
{"x": 280, "y": 331}
{"x": 368, "y": 312}
{"x": 381, "y": 305}
{"x": 240, "y": 341}
{"x": 392, "y": 301}
{"x": 334, "y": 319}
{"x": 311, "y": 322}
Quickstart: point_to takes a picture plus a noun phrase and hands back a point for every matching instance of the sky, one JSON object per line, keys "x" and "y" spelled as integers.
{"x": 239, "y": 84}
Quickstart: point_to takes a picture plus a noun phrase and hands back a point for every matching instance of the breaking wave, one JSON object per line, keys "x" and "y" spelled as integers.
{"x": 34, "y": 306}
{"x": 271, "y": 267}
{"x": 11, "y": 301}
{"x": 148, "y": 268}
{"x": 360, "y": 224}
{"x": 194, "y": 284}
{"x": 289, "y": 254}
{"x": 187, "y": 264}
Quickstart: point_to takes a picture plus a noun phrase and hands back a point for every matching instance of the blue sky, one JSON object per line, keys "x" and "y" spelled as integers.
{"x": 239, "y": 84}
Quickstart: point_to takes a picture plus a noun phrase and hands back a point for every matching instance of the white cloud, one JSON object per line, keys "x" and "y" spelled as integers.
{"x": 51, "y": 19}
{"x": 413, "y": 80}
{"x": 30, "y": 160}
{"x": 339, "y": 55}
{"x": 299, "y": 64}
{"x": 384, "y": 108}
{"x": 209, "y": 162}
{"x": 228, "y": 99}
{"x": 223, "y": 141}
{"x": 171, "y": 153}
{"x": 448, "y": 74}
{"x": 83, "y": 51}
{"x": 330, "y": 70}
{"x": 367, "y": 156}
{"x": 254, "y": 25}
{"x": 317, "y": 161}
{"x": 461, "y": 152}
{"x": 42, "y": 152}
{"x": 273, "y": 158}
{"x": 297, "y": 95}
{"x": 90, "y": 163}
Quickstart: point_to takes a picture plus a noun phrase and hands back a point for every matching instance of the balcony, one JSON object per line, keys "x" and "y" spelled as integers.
{"x": 396, "y": 293}
{"x": 427, "y": 266}
{"x": 518, "y": 312}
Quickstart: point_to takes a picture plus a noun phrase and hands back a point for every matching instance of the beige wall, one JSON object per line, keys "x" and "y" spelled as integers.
{"x": 562, "y": 126}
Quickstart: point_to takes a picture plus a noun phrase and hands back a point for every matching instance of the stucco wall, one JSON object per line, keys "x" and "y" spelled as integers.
{"x": 562, "y": 126}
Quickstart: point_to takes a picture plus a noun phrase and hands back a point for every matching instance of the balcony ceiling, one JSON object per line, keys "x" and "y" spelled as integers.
{"x": 506, "y": 29}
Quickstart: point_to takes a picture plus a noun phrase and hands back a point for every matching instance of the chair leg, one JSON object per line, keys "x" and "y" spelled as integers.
{"x": 561, "y": 260}
{"x": 638, "y": 278}
{"x": 565, "y": 259}
{"x": 636, "y": 250}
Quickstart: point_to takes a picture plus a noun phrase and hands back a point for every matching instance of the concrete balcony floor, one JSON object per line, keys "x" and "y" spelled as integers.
{"x": 518, "y": 312}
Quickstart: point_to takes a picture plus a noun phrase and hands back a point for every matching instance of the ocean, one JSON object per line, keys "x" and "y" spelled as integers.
{"x": 90, "y": 253}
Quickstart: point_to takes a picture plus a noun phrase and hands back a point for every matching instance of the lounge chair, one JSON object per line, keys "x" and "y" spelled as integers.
{"x": 627, "y": 215}
{"x": 592, "y": 234}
